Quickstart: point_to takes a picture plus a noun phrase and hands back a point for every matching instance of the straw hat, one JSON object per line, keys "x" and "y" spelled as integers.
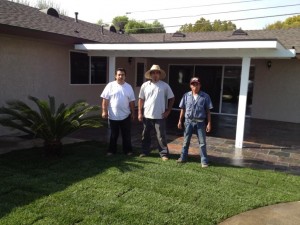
{"x": 155, "y": 68}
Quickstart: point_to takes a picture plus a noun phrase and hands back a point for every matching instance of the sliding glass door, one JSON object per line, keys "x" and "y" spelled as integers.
{"x": 231, "y": 90}
{"x": 221, "y": 82}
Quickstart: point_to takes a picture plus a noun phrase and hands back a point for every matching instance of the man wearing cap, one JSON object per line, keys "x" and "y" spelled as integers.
{"x": 156, "y": 100}
{"x": 195, "y": 108}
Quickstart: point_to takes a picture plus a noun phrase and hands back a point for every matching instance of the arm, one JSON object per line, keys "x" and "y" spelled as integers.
{"x": 181, "y": 116}
{"x": 208, "y": 127}
{"x": 132, "y": 105}
{"x": 170, "y": 106}
{"x": 105, "y": 108}
{"x": 140, "y": 109}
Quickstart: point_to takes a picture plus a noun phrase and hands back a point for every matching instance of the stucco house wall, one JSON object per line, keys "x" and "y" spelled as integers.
{"x": 39, "y": 68}
{"x": 276, "y": 91}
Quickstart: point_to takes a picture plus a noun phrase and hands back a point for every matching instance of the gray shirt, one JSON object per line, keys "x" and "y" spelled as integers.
{"x": 155, "y": 96}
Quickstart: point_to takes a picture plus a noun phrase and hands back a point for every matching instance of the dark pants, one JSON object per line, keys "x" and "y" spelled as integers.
{"x": 125, "y": 127}
{"x": 160, "y": 128}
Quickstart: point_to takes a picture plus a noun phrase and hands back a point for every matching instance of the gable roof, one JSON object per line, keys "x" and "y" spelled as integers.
{"x": 25, "y": 20}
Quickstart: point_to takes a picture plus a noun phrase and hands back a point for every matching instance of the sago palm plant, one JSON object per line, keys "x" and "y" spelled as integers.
{"x": 48, "y": 122}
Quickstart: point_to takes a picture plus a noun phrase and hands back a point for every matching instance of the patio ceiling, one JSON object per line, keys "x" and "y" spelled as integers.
{"x": 209, "y": 49}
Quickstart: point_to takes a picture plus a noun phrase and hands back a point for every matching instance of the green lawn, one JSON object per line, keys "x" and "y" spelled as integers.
{"x": 85, "y": 187}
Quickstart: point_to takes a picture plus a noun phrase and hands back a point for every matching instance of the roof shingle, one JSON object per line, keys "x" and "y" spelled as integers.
{"x": 21, "y": 16}
{"x": 29, "y": 20}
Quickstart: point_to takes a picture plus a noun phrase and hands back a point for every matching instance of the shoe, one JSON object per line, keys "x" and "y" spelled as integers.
{"x": 204, "y": 165}
{"x": 109, "y": 154}
{"x": 180, "y": 160}
{"x": 129, "y": 153}
{"x": 164, "y": 158}
{"x": 143, "y": 155}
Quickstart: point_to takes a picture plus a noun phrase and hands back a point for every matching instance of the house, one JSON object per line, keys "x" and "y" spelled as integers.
{"x": 254, "y": 73}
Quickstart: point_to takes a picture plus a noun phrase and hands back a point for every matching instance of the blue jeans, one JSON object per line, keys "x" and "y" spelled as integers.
{"x": 160, "y": 128}
{"x": 190, "y": 127}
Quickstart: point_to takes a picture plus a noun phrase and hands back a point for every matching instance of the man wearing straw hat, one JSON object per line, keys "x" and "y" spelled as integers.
{"x": 156, "y": 100}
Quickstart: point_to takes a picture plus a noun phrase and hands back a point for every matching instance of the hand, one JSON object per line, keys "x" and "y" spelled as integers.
{"x": 140, "y": 117}
{"x": 179, "y": 125}
{"x": 208, "y": 128}
{"x": 166, "y": 114}
{"x": 104, "y": 115}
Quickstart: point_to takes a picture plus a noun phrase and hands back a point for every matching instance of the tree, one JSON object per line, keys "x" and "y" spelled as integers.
{"x": 291, "y": 22}
{"x": 157, "y": 27}
{"x": 135, "y": 27}
{"x": 101, "y": 23}
{"x": 219, "y": 25}
{"x": 131, "y": 26}
{"x": 203, "y": 25}
{"x": 49, "y": 123}
{"x": 120, "y": 22}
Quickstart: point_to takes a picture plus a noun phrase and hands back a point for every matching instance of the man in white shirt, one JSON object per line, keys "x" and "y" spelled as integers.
{"x": 118, "y": 107}
{"x": 156, "y": 100}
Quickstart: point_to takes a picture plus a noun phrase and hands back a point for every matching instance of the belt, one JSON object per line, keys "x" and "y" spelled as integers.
{"x": 197, "y": 120}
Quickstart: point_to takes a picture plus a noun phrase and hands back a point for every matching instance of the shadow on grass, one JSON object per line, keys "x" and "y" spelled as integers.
{"x": 27, "y": 175}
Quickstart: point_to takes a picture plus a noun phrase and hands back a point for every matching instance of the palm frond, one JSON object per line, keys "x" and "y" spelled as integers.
{"x": 49, "y": 123}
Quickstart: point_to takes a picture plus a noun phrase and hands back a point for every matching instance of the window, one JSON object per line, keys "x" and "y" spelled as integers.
{"x": 88, "y": 69}
{"x": 98, "y": 70}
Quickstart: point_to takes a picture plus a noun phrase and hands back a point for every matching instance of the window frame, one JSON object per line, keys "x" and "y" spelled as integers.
{"x": 89, "y": 69}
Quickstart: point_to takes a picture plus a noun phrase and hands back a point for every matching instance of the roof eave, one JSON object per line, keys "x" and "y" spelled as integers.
{"x": 212, "y": 49}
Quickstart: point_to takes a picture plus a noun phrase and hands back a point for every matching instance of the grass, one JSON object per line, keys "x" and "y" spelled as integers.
{"x": 85, "y": 187}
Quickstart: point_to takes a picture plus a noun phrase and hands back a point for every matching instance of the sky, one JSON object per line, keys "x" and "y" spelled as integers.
{"x": 188, "y": 11}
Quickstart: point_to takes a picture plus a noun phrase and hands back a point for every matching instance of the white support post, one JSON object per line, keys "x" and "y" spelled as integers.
{"x": 112, "y": 68}
{"x": 239, "y": 136}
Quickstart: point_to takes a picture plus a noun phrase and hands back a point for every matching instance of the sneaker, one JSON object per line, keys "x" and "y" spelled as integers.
{"x": 109, "y": 154}
{"x": 180, "y": 160}
{"x": 129, "y": 153}
{"x": 164, "y": 158}
{"x": 204, "y": 165}
{"x": 143, "y": 155}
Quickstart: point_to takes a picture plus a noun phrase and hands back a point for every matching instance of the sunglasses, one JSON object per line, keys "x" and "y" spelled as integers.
{"x": 195, "y": 84}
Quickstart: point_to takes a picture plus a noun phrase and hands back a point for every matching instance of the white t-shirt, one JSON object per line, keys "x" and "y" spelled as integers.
{"x": 119, "y": 96}
{"x": 155, "y": 96}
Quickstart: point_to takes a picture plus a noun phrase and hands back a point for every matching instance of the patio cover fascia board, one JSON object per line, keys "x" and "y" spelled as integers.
{"x": 208, "y": 49}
